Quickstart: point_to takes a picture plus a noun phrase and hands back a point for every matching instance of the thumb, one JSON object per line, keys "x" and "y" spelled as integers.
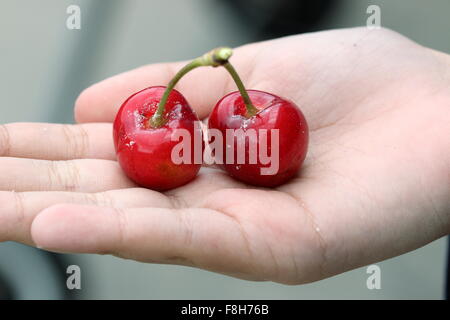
{"x": 198, "y": 237}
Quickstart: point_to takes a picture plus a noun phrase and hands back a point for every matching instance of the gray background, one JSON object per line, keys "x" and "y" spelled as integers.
{"x": 44, "y": 66}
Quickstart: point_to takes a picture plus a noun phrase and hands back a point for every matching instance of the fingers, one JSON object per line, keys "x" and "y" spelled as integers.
{"x": 57, "y": 141}
{"x": 18, "y": 209}
{"x": 197, "y": 237}
{"x": 81, "y": 175}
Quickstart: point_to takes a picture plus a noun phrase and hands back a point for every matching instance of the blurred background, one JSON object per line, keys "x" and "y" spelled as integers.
{"x": 44, "y": 66}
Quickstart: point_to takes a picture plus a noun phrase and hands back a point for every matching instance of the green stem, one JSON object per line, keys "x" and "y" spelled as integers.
{"x": 214, "y": 58}
{"x": 251, "y": 109}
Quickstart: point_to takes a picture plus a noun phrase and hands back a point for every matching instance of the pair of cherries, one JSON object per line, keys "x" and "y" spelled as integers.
{"x": 146, "y": 123}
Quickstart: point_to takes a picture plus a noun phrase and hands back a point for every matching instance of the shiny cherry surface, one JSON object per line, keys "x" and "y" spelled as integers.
{"x": 274, "y": 113}
{"x": 144, "y": 152}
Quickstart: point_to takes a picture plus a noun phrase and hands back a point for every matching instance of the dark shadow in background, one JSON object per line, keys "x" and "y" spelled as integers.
{"x": 56, "y": 287}
{"x": 277, "y": 18}
{"x": 6, "y": 290}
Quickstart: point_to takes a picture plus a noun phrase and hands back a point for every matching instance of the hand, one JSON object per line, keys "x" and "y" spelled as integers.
{"x": 376, "y": 182}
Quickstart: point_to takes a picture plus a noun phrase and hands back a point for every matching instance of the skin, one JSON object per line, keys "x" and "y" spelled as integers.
{"x": 375, "y": 183}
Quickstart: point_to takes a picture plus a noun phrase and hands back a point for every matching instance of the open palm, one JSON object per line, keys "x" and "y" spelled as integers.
{"x": 375, "y": 184}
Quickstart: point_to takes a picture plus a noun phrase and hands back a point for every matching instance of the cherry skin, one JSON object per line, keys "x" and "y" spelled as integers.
{"x": 273, "y": 113}
{"x": 143, "y": 151}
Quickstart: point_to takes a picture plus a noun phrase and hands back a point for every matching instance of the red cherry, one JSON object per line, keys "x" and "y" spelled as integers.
{"x": 149, "y": 125}
{"x": 273, "y": 112}
{"x": 144, "y": 151}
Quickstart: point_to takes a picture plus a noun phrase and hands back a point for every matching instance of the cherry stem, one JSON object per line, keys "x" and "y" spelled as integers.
{"x": 251, "y": 109}
{"x": 213, "y": 58}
